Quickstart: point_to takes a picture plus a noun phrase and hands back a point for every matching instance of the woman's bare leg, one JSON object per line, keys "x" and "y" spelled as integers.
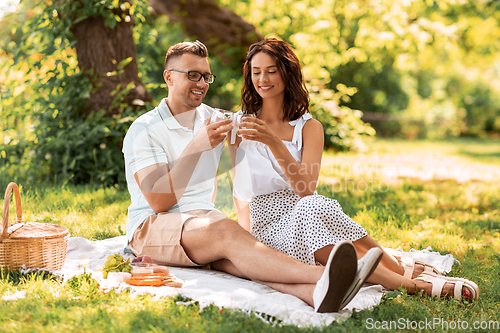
{"x": 322, "y": 254}
{"x": 393, "y": 281}
{"x": 364, "y": 244}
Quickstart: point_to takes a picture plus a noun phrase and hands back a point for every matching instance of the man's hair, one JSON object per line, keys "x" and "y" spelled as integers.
{"x": 296, "y": 101}
{"x": 175, "y": 51}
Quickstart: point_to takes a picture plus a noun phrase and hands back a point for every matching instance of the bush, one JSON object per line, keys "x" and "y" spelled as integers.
{"x": 44, "y": 87}
{"x": 45, "y": 134}
{"x": 343, "y": 128}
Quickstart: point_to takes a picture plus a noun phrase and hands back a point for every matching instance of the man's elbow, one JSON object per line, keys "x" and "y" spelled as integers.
{"x": 157, "y": 208}
{"x": 161, "y": 206}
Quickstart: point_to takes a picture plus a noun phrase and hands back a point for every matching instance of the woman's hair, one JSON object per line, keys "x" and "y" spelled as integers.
{"x": 296, "y": 101}
{"x": 175, "y": 51}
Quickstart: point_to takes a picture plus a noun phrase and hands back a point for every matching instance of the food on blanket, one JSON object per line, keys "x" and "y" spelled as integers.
{"x": 141, "y": 268}
{"x": 161, "y": 269}
{"x": 155, "y": 280}
{"x": 146, "y": 259}
{"x": 146, "y": 273}
{"x": 148, "y": 276}
{"x": 148, "y": 283}
{"x": 172, "y": 281}
{"x": 118, "y": 277}
{"x": 115, "y": 263}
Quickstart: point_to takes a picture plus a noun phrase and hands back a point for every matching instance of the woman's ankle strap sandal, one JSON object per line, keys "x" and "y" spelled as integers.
{"x": 461, "y": 287}
{"x": 409, "y": 267}
{"x": 466, "y": 282}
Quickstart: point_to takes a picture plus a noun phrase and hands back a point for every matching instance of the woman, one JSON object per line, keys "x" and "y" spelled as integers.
{"x": 276, "y": 169}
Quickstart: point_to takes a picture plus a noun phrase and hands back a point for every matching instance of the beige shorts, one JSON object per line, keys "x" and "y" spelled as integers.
{"x": 160, "y": 236}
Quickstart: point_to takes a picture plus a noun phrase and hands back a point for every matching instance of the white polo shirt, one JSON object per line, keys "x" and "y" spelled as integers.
{"x": 156, "y": 137}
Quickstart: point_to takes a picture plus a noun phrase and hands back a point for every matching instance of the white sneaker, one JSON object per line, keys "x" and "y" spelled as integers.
{"x": 366, "y": 266}
{"x": 339, "y": 274}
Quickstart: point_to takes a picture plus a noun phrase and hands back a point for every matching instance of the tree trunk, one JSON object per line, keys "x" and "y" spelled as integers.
{"x": 101, "y": 49}
{"x": 217, "y": 27}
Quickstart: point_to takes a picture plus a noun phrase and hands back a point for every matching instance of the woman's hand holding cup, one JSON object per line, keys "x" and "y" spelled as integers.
{"x": 240, "y": 122}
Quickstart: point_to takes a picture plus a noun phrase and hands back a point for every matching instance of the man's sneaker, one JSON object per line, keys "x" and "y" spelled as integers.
{"x": 366, "y": 266}
{"x": 338, "y": 276}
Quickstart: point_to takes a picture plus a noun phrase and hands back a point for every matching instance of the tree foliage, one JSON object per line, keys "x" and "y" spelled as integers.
{"x": 411, "y": 68}
{"x": 61, "y": 139}
{"x": 433, "y": 66}
{"x": 51, "y": 129}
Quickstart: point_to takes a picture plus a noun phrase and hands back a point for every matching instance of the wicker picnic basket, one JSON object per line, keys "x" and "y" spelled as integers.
{"x": 32, "y": 244}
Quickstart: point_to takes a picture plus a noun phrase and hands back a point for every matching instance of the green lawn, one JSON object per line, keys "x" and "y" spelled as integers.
{"x": 406, "y": 194}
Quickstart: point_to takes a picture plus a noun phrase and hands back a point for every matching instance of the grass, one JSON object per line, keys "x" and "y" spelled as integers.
{"x": 406, "y": 194}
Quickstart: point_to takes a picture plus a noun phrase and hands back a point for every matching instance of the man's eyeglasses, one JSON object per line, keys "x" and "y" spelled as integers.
{"x": 196, "y": 76}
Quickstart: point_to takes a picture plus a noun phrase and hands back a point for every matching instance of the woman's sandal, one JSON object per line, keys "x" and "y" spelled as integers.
{"x": 438, "y": 282}
{"x": 466, "y": 282}
{"x": 409, "y": 267}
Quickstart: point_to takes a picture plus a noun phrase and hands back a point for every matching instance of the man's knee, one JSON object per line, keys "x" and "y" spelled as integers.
{"x": 208, "y": 242}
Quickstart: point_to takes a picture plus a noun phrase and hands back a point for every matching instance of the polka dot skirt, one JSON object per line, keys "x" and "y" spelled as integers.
{"x": 300, "y": 226}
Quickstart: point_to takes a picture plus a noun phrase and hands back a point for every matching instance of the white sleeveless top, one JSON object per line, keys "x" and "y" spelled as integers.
{"x": 256, "y": 170}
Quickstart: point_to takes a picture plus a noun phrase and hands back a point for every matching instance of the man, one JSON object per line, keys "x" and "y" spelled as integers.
{"x": 171, "y": 157}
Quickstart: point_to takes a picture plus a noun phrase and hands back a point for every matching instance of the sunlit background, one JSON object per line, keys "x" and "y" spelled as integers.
{"x": 374, "y": 68}
{"x": 7, "y": 6}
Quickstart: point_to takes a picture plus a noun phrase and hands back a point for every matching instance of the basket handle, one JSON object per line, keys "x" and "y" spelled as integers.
{"x": 6, "y": 203}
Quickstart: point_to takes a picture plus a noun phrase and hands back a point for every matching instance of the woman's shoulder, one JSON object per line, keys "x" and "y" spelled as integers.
{"x": 313, "y": 125}
{"x": 313, "y": 132}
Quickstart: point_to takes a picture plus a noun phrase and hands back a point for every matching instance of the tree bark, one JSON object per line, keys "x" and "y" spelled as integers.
{"x": 217, "y": 27}
{"x": 101, "y": 49}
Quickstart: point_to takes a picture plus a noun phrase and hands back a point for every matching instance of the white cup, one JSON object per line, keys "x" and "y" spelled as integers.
{"x": 220, "y": 114}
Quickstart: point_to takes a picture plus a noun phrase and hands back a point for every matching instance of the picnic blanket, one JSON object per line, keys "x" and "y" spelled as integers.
{"x": 227, "y": 291}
